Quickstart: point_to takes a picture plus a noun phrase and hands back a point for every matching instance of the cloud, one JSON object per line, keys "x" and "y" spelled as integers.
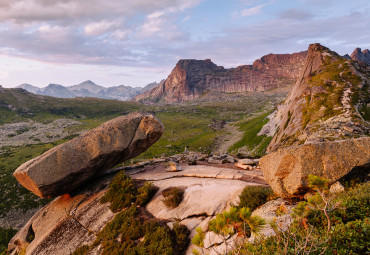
{"x": 252, "y": 11}
{"x": 101, "y": 27}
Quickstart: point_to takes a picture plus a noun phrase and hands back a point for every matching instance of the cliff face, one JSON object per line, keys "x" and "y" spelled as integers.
{"x": 325, "y": 102}
{"x": 363, "y": 56}
{"x": 191, "y": 79}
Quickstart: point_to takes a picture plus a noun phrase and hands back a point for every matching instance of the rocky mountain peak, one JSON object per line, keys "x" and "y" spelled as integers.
{"x": 363, "y": 56}
{"x": 191, "y": 79}
{"x": 323, "y": 104}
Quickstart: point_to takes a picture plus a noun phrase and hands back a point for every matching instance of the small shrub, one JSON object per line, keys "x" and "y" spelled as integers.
{"x": 123, "y": 192}
{"x": 145, "y": 194}
{"x": 180, "y": 238}
{"x": 173, "y": 196}
{"x": 254, "y": 196}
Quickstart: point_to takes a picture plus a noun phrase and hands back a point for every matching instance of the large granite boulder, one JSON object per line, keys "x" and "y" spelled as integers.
{"x": 65, "y": 167}
{"x": 287, "y": 169}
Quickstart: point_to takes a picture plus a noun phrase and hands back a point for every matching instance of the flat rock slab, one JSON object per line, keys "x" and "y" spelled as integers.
{"x": 203, "y": 196}
{"x": 287, "y": 169}
{"x": 200, "y": 171}
{"x": 65, "y": 167}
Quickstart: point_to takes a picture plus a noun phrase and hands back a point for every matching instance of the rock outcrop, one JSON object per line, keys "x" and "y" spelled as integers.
{"x": 73, "y": 220}
{"x": 65, "y": 167}
{"x": 324, "y": 103}
{"x": 65, "y": 223}
{"x": 287, "y": 169}
{"x": 191, "y": 78}
{"x": 363, "y": 56}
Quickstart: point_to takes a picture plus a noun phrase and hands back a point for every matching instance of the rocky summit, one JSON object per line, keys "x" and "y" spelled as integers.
{"x": 287, "y": 169}
{"x": 191, "y": 79}
{"x": 65, "y": 167}
{"x": 324, "y": 104}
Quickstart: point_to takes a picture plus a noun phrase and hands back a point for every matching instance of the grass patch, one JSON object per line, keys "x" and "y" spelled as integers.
{"x": 250, "y": 138}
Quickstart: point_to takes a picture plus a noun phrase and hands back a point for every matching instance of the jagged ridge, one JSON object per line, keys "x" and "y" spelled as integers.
{"x": 192, "y": 78}
{"x": 324, "y": 103}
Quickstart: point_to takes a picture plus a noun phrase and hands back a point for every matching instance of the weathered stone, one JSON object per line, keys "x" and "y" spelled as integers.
{"x": 246, "y": 161}
{"x": 245, "y": 167}
{"x": 212, "y": 160}
{"x": 174, "y": 167}
{"x": 65, "y": 223}
{"x": 65, "y": 167}
{"x": 287, "y": 169}
{"x": 336, "y": 188}
{"x": 276, "y": 210}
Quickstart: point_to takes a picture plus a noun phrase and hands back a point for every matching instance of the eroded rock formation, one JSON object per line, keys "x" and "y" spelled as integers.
{"x": 65, "y": 167}
{"x": 363, "y": 56}
{"x": 191, "y": 78}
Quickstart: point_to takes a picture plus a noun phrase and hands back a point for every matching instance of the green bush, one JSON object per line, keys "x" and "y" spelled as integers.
{"x": 308, "y": 234}
{"x": 173, "y": 196}
{"x": 130, "y": 233}
{"x": 254, "y": 196}
{"x": 123, "y": 192}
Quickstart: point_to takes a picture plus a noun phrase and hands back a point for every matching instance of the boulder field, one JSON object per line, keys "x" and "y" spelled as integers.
{"x": 65, "y": 167}
{"x": 287, "y": 169}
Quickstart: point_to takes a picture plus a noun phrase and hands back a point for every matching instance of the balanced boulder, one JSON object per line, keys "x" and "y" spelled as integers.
{"x": 287, "y": 169}
{"x": 65, "y": 167}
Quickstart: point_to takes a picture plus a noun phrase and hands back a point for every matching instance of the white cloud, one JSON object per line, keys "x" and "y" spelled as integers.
{"x": 252, "y": 11}
{"x": 98, "y": 28}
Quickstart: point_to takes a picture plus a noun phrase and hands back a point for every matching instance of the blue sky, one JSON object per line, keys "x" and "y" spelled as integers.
{"x": 114, "y": 42}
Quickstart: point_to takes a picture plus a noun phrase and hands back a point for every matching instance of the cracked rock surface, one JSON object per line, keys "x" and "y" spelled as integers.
{"x": 71, "y": 221}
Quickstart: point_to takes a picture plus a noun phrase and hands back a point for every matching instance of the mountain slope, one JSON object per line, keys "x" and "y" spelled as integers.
{"x": 325, "y": 103}
{"x": 192, "y": 79}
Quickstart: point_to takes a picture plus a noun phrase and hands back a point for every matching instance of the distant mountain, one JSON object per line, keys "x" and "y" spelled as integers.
{"x": 191, "y": 79}
{"x": 89, "y": 89}
{"x": 30, "y": 88}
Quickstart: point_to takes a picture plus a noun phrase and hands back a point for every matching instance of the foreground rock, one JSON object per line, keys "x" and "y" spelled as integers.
{"x": 287, "y": 170}
{"x": 63, "y": 168}
{"x": 65, "y": 223}
{"x": 71, "y": 221}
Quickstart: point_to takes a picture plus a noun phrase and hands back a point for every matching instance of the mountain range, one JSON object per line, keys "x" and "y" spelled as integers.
{"x": 88, "y": 89}
{"x": 191, "y": 79}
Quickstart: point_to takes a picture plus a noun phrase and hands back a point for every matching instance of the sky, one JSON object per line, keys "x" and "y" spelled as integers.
{"x": 136, "y": 42}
